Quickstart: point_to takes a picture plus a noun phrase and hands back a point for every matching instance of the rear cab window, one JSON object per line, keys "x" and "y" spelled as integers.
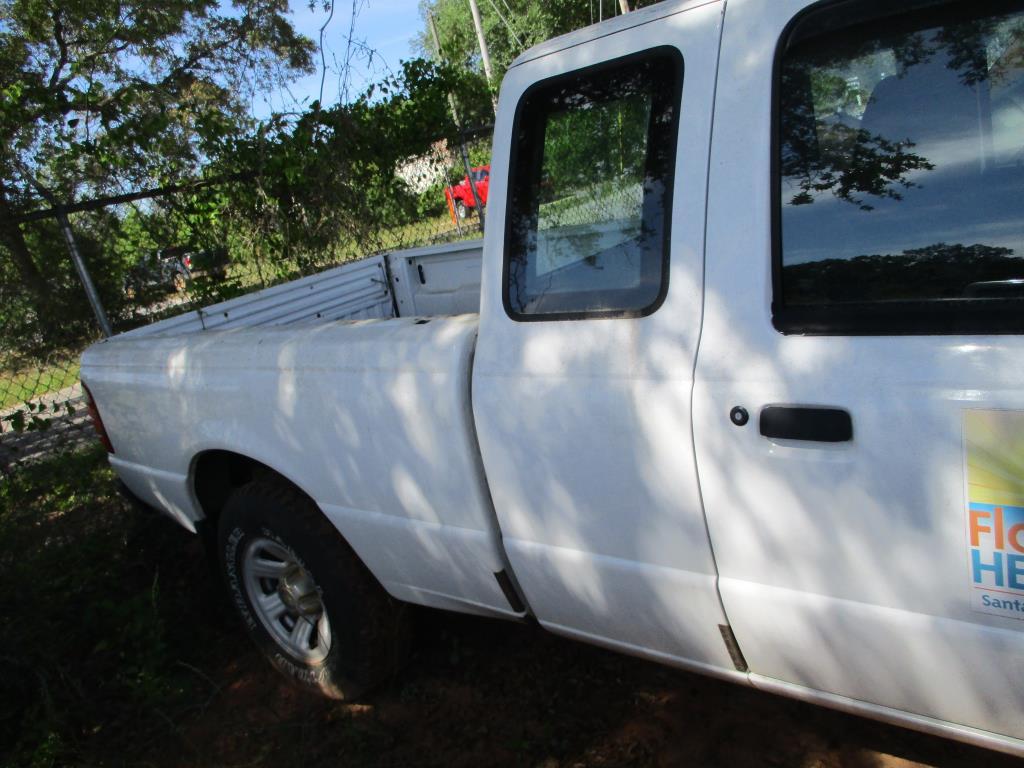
{"x": 899, "y": 156}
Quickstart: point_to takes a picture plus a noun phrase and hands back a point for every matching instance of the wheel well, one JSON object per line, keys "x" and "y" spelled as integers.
{"x": 217, "y": 474}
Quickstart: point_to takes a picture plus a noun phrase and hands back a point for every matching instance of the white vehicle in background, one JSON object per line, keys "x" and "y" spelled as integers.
{"x": 757, "y": 422}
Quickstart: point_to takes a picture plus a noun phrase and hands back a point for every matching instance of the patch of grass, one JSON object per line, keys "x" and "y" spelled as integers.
{"x": 85, "y": 645}
{"x": 17, "y": 387}
{"x": 436, "y": 229}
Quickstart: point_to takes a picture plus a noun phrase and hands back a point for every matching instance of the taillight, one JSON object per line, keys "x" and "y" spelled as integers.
{"x": 188, "y": 262}
{"x": 97, "y": 421}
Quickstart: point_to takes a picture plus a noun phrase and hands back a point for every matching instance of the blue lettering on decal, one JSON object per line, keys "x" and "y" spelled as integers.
{"x": 1015, "y": 571}
{"x": 1004, "y": 605}
{"x": 996, "y": 567}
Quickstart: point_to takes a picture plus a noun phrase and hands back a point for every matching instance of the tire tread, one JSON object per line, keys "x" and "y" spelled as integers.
{"x": 383, "y": 637}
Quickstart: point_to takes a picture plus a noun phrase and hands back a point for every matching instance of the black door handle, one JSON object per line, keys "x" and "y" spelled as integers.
{"x": 823, "y": 425}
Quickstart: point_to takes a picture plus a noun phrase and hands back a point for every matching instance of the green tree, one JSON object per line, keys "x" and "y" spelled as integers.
{"x": 101, "y": 95}
{"x": 510, "y": 27}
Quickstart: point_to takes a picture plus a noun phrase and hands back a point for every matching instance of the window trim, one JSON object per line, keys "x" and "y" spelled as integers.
{"x": 905, "y": 318}
{"x": 677, "y": 62}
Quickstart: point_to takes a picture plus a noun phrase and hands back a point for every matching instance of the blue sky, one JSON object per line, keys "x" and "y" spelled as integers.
{"x": 388, "y": 27}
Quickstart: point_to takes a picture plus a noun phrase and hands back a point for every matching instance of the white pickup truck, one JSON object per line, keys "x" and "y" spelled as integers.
{"x": 734, "y": 381}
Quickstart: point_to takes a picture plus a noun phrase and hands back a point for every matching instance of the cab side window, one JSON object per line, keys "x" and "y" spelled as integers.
{"x": 590, "y": 197}
{"x": 900, "y": 151}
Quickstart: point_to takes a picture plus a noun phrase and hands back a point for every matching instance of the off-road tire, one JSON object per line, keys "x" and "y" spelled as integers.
{"x": 370, "y": 632}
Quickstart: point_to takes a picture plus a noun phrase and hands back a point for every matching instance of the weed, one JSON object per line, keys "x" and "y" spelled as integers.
{"x": 84, "y": 648}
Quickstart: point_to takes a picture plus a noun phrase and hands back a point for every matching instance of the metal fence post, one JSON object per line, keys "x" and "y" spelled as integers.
{"x": 83, "y": 273}
{"x": 76, "y": 256}
{"x": 472, "y": 181}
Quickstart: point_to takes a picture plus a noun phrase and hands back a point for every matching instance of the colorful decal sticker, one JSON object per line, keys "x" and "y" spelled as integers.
{"x": 994, "y": 444}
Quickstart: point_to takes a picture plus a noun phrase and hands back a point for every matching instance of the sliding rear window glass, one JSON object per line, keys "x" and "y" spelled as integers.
{"x": 900, "y": 152}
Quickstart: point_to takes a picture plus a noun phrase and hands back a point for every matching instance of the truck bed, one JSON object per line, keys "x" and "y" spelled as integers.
{"x": 371, "y": 418}
{"x": 416, "y": 282}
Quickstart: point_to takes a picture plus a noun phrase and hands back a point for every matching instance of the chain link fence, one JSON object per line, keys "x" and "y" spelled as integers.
{"x": 43, "y": 334}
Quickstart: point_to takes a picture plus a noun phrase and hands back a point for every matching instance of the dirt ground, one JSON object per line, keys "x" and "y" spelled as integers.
{"x": 489, "y": 693}
{"x": 118, "y": 649}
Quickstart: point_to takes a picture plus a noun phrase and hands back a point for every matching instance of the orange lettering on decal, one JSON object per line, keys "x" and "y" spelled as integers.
{"x": 976, "y": 527}
{"x": 1014, "y": 535}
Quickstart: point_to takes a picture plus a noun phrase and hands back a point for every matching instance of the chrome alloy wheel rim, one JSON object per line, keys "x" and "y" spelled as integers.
{"x": 286, "y": 600}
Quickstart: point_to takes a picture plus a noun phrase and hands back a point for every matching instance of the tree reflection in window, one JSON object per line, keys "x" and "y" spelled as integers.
{"x": 900, "y": 152}
{"x": 594, "y": 154}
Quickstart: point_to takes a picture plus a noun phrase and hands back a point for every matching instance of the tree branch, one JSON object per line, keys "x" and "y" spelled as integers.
{"x": 62, "y": 47}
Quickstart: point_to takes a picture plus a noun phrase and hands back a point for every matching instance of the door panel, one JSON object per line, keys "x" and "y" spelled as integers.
{"x": 846, "y": 566}
{"x": 584, "y": 421}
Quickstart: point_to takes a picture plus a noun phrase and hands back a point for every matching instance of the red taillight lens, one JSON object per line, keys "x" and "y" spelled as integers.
{"x": 97, "y": 421}
{"x": 188, "y": 262}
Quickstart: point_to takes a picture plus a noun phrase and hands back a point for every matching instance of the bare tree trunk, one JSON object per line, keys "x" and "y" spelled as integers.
{"x": 13, "y": 240}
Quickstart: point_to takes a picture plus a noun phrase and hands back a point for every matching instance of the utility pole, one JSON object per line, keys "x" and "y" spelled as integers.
{"x": 484, "y": 55}
{"x": 462, "y": 136}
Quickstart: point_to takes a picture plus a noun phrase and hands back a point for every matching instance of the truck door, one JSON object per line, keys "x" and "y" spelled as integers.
{"x": 859, "y": 395}
{"x": 590, "y": 317}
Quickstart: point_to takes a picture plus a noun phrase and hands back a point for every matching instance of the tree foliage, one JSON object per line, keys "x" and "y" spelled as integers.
{"x": 104, "y": 95}
{"x": 97, "y": 92}
{"x": 510, "y": 27}
{"x": 322, "y": 182}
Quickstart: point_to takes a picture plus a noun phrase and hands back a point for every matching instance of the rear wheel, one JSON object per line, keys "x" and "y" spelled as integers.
{"x": 305, "y": 599}
{"x": 461, "y": 209}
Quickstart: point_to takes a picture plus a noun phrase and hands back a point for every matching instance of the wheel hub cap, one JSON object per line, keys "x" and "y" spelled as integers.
{"x": 298, "y": 592}
{"x": 285, "y": 598}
